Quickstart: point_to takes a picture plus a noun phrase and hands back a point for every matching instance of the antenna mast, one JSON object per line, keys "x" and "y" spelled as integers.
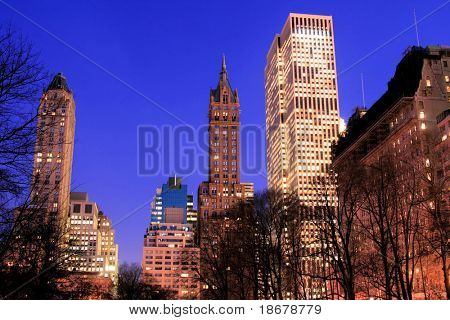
{"x": 362, "y": 90}
{"x": 417, "y": 29}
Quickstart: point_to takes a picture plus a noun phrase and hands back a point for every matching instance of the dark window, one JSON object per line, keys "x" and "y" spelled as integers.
{"x": 445, "y": 64}
{"x": 76, "y": 208}
{"x": 88, "y": 208}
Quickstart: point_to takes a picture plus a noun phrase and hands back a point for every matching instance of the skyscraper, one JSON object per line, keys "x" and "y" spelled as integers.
{"x": 302, "y": 110}
{"x": 170, "y": 258}
{"x": 302, "y": 122}
{"x": 223, "y": 188}
{"x": 54, "y": 148}
{"x": 172, "y": 201}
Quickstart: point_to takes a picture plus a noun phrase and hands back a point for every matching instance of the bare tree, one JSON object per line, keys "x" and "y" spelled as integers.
{"x": 435, "y": 206}
{"x": 339, "y": 230}
{"x": 216, "y": 252}
{"x": 21, "y": 82}
{"x": 365, "y": 239}
{"x": 391, "y": 219}
{"x": 21, "y": 77}
{"x": 132, "y": 286}
{"x": 32, "y": 257}
{"x": 247, "y": 254}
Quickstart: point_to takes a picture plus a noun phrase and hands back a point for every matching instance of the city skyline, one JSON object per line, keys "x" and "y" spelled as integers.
{"x": 145, "y": 185}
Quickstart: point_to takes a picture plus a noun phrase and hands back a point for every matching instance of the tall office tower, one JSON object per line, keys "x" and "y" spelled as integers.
{"x": 52, "y": 168}
{"x": 172, "y": 201}
{"x": 170, "y": 258}
{"x": 91, "y": 240}
{"x": 302, "y": 111}
{"x": 409, "y": 125}
{"x": 302, "y": 122}
{"x": 223, "y": 187}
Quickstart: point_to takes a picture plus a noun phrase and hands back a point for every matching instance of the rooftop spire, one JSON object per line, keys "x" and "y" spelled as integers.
{"x": 224, "y": 82}
{"x": 58, "y": 82}
{"x": 224, "y": 66}
{"x": 223, "y": 71}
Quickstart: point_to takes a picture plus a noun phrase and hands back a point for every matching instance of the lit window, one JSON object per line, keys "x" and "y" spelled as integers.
{"x": 423, "y": 126}
{"x": 428, "y": 82}
{"x": 421, "y": 115}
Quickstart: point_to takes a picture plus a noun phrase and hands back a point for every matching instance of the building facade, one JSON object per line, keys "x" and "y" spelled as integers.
{"x": 302, "y": 123}
{"x": 53, "y": 156}
{"x": 418, "y": 92}
{"x": 191, "y": 212}
{"x": 443, "y": 151}
{"x": 170, "y": 259}
{"x": 223, "y": 188}
{"x": 172, "y": 201}
{"x": 408, "y": 125}
{"x": 92, "y": 247}
{"x": 302, "y": 109}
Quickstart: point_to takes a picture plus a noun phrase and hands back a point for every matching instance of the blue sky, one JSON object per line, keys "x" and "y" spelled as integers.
{"x": 170, "y": 52}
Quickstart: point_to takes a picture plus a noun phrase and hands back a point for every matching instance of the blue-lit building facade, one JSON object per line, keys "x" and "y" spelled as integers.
{"x": 169, "y": 242}
{"x": 172, "y": 203}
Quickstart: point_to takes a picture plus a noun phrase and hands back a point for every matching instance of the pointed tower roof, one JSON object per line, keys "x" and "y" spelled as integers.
{"x": 224, "y": 65}
{"x": 59, "y": 82}
{"x": 223, "y": 82}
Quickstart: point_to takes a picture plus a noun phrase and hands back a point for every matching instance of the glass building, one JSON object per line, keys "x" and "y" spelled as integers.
{"x": 170, "y": 259}
{"x": 172, "y": 204}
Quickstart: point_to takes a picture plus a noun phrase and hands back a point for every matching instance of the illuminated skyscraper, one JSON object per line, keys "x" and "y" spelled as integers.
{"x": 170, "y": 258}
{"x": 54, "y": 148}
{"x": 302, "y": 110}
{"x": 302, "y": 122}
{"x": 223, "y": 188}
